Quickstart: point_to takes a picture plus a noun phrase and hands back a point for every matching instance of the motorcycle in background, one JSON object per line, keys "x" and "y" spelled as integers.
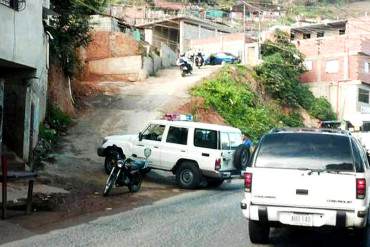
{"x": 185, "y": 69}
{"x": 128, "y": 172}
{"x": 199, "y": 60}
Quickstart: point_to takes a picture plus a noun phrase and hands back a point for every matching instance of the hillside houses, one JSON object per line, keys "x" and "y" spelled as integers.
{"x": 338, "y": 65}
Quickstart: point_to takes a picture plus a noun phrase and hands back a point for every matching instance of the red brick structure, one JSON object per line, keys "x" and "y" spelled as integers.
{"x": 338, "y": 63}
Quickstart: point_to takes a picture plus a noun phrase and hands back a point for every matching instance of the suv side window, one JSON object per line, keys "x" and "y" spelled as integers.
{"x": 225, "y": 142}
{"x": 177, "y": 135}
{"x": 362, "y": 153}
{"x": 205, "y": 138}
{"x": 154, "y": 132}
{"x": 357, "y": 157}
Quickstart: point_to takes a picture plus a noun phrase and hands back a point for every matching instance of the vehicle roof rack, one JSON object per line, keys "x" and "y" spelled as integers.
{"x": 321, "y": 130}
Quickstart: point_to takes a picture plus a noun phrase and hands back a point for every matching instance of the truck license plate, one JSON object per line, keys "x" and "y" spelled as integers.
{"x": 301, "y": 219}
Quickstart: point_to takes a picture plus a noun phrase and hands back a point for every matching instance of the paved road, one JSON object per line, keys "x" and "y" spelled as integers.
{"x": 200, "y": 218}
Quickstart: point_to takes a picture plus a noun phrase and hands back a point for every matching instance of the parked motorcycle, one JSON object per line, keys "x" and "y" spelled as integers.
{"x": 185, "y": 69}
{"x": 199, "y": 60}
{"x": 128, "y": 172}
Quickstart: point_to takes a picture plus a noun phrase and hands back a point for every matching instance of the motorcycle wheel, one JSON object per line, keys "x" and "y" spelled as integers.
{"x": 135, "y": 185}
{"x": 183, "y": 74}
{"x": 110, "y": 182}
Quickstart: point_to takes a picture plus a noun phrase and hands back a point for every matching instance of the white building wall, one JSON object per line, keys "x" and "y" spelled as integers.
{"x": 25, "y": 45}
{"x": 343, "y": 97}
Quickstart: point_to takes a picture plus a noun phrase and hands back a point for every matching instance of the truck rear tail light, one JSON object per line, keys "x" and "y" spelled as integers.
{"x": 217, "y": 164}
{"x": 360, "y": 188}
{"x": 248, "y": 181}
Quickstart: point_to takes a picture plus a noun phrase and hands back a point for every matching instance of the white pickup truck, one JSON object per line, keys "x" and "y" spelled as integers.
{"x": 193, "y": 151}
{"x": 306, "y": 178}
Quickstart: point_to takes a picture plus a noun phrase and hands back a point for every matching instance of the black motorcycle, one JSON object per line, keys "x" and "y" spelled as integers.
{"x": 128, "y": 172}
{"x": 186, "y": 69}
{"x": 199, "y": 60}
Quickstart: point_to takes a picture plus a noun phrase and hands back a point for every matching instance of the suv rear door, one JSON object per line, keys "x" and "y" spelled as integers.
{"x": 229, "y": 142}
{"x": 206, "y": 148}
{"x": 286, "y": 171}
{"x": 174, "y": 147}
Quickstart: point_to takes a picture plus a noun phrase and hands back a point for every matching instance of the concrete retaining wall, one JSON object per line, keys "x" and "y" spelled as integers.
{"x": 168, "y": 56}
{"x": 131, "y": 68}
{"x": 115, "y": 65}
{"x": 157, "y": 63}
{"x": 148, "y": 67}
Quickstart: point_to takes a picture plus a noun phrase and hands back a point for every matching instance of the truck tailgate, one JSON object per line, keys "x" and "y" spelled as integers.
{"x": 295, "y": 188}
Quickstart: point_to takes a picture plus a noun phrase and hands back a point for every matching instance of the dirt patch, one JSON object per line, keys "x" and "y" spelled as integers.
{"x": 86, "y": 203}
{"x": 201, "y": 113}
{"x": 86, "y": 89}
{"x": 309, "y": 121}
{"x": 111, "y": 44}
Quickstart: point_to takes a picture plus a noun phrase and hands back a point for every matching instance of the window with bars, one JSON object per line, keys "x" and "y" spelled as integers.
{"x": 14, "y": 4}
{"x": 363, "y": 96}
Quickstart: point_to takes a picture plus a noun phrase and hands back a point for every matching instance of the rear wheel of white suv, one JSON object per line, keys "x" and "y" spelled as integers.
{"x": 188, "y": 175}
{"x": 258, "y": 232}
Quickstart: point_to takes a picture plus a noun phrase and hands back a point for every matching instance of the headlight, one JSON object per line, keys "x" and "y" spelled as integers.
{"x": 120, "y": 164}
{"x": 104, "y": 141}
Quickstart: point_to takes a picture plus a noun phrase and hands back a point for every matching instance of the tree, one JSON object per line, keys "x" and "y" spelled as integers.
{"x": 281, "y": 69}
{"x": 70, "y": 30}
{"x": 280, "y": 73}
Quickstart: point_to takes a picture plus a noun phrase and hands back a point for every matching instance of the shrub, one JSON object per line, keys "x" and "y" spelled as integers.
{"x": 293, "y": 119}
{"x": 233, "y": 99}
{"x": 57, "y": 119}
{"x": 322, "y": 110}
{"x": 47, "y": 134}
{"x": 280, "y": 73}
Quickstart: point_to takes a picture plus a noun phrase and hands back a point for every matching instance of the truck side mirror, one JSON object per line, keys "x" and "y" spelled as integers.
{"x": 140, "y": 136}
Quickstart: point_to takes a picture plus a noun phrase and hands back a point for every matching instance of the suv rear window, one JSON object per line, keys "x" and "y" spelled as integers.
{"x": 205, "y": 138}
{"x": 177, "y": 135}
{"x": 305, "y": 151}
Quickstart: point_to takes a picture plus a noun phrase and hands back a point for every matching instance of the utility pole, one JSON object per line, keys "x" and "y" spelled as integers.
{"x": 244, "y": 57}
{"x": 259, "y": 35}
{"x": 259, "y": 27}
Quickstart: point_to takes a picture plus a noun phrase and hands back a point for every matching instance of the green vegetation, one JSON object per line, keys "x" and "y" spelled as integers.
{"x": 56, "y": 122}
{"x": 255, "y": 111}
{"x": 70, "y": 30}
{"x": 229, "y": 94}
{"x": 57, "y": 119}
{"x": 280, "y": 71}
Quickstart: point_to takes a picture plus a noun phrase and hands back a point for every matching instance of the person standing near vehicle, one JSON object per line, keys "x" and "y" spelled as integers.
{"x": 248, "y": 142}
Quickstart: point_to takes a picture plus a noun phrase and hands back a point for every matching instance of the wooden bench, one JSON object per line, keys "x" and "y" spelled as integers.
{"x": 15, "y": 176}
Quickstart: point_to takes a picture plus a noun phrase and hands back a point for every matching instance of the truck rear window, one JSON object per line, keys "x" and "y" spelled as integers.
{"x": 305, "y": 151}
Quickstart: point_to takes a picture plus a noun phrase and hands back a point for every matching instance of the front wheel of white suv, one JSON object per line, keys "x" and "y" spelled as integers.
{"x": 188, "y": 175}
{"x": 258, "y": 232}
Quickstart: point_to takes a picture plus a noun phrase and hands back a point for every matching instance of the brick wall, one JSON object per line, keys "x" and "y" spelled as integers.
{"x": 340, "y": 48}
{"x": 111, "y": 44}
